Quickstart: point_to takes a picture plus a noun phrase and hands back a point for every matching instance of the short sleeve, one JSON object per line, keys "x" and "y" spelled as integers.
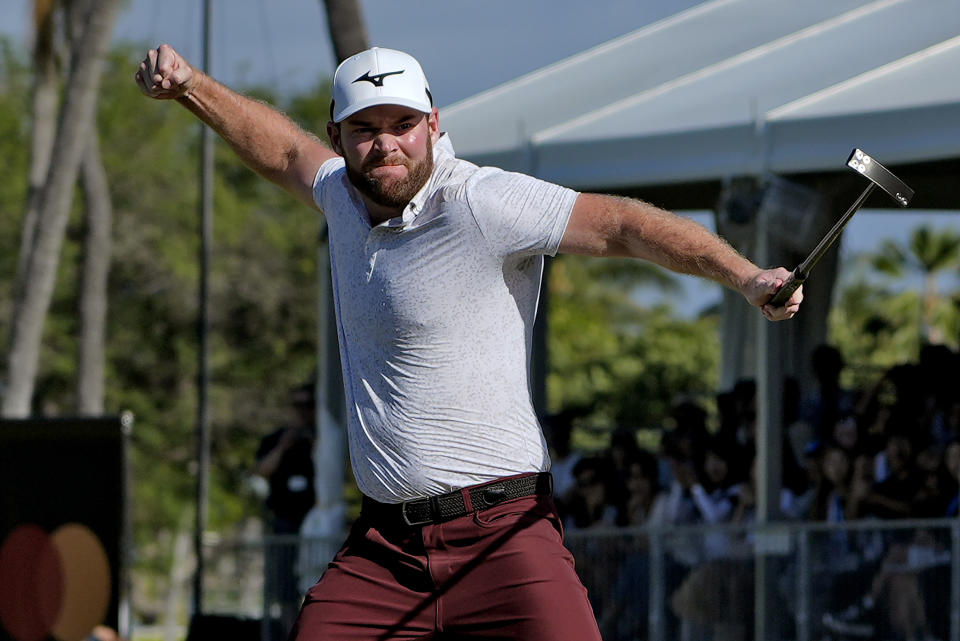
{"x": 519, "y": 214}
{"x": 328, "y": 172}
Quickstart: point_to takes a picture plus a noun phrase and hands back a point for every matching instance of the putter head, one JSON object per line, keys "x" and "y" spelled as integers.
{"x": 880, "y": 176}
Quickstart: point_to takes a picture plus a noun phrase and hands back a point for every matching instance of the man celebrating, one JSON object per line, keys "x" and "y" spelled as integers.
{"x": 436, "y": 269}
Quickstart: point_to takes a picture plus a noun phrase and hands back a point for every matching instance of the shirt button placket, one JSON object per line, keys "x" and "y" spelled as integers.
{"x": 372, "y": 249}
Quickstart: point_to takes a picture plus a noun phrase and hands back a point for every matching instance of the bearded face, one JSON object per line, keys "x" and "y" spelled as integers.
{"x": 395, "y": 193}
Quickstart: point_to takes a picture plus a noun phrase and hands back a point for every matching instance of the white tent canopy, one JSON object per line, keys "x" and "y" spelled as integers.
{"x": 731, "y": 88}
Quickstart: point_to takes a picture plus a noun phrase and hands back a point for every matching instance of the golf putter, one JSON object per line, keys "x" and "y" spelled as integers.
{"x": 879, "y": 176}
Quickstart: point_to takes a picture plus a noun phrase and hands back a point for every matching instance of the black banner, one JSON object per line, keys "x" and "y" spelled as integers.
{"x": 62, "y": 526}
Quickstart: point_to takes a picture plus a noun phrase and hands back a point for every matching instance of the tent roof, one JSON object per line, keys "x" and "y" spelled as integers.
{"x": 727, "y": 88}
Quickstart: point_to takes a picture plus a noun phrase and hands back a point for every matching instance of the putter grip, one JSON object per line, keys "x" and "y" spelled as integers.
{"x": 786, "y": 290}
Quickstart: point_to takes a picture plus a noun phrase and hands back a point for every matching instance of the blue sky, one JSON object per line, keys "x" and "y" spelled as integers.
{"x": 465, "y": 48}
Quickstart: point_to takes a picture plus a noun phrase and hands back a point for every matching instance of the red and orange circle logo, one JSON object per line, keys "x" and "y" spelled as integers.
{"x": 54, "y": 584}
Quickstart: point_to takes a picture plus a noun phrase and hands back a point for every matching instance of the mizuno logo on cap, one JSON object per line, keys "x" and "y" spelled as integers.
{"x": 376, "y": 80}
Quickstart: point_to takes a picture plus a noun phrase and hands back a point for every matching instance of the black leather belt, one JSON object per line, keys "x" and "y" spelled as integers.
{"x": 437, "y": 509}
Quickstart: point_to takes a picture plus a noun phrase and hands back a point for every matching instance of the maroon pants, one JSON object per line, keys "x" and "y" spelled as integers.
{"x": 501, "y": 573}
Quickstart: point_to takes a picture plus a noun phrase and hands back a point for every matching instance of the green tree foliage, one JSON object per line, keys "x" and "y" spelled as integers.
{"x": 927, "y": 253}
{"x": 880, "y": 322}
{"x": 263, "y": 293}
{"x": 623, "y": 362}
{"x": 875, "y": 328}
{"x": 14, "y": 146}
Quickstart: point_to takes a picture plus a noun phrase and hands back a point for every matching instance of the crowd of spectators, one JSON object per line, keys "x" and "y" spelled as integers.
{"x": 888, "y": 452}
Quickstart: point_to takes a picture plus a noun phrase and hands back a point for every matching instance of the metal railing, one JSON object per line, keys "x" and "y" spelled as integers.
{"x": 796, "y": 581}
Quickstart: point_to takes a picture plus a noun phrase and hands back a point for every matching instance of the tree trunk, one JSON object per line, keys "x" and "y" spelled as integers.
{"x": 44, "y": 118}
{"x": 93, "y": 281}
{"x": 930, "y": 333}
{"x": 348, "y": 32}
{"x": 95, "y": 269}
{"x": 70, "y": 142}
{"x": 182, "y": 567}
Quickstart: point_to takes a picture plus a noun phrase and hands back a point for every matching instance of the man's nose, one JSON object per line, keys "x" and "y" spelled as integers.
{"x": 384, "y": 142}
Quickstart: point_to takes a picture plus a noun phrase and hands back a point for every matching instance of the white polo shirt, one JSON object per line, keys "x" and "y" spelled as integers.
{"x": 435, "y": 314}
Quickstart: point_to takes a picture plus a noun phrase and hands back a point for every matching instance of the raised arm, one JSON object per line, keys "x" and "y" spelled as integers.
{"x": 612, "y": 226}
{"x": 266, "y": 140}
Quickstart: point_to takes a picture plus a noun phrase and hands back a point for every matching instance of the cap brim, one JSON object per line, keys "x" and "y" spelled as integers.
{"x": 381, "y": 100}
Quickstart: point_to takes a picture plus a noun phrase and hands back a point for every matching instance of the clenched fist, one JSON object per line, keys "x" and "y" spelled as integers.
{"x": 165, "y": 75}
{"x": 761, "y": 288}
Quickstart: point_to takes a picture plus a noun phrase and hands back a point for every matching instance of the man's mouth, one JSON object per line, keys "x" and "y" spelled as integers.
{"x": 387, "y": 162}
{"x": 385, "y": 168}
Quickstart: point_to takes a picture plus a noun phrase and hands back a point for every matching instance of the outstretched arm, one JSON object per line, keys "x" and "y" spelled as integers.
{"x": 265, "y": 139}
{"x": 612, "y": 226}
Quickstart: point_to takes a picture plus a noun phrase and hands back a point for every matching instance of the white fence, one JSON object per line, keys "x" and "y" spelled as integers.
{"x": 790, "y": 581}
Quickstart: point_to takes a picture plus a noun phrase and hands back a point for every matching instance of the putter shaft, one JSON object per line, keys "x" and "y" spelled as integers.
{"x": 803, "y": 269}
{"x": 879, "y": 176}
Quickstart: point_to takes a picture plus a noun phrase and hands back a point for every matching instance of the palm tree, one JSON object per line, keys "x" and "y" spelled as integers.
{"x": 348, "y": 31}
{"x": 45, "y": 88}
{"x": 97, "y": 250}
{"x": 927, "y": 253}
{"x": 70, "y": 142}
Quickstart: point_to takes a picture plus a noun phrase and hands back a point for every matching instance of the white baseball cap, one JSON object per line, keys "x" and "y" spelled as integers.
{"x": 379, "y": 77}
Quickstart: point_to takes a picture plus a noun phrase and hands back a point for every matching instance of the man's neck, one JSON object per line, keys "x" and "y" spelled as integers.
{"x": 380, "y": 214}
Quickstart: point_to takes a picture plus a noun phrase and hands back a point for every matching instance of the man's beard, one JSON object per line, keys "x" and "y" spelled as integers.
{"x": 397, "y": 194}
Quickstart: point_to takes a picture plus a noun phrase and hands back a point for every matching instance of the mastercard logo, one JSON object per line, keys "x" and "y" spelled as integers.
{"x": 53, "y": 584}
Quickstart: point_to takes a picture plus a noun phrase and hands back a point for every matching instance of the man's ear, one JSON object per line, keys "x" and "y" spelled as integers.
{"x": 333, "y": 132}
{"x": 433, "y": 122}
